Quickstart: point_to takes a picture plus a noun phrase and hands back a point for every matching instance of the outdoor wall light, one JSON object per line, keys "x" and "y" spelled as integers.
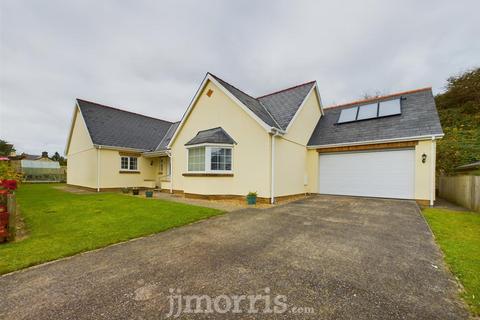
{"x": 424, "y": 158}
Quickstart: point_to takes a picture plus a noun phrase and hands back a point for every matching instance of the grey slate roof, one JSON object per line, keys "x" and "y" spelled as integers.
{"x": 276, "y": 109}
{"x": 168, "y": 136}
{"x": 30, "y": 156}
{"x": 284, "y": 104}
{"x": 253, "y": 104}
{"x": 214, "y": 135}
{"x": 419, "y": 117}
{"x": 118, "y": 128}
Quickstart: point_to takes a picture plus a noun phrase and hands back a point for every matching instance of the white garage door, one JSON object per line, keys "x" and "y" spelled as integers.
{"x": 385, "y": 174}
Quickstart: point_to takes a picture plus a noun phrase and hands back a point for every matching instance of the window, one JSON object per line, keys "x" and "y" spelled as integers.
{"x": 220, "y": 159}
{"x": 133, "y": 163}
{"x": 210, "y": 159}
{"x": 124, "y": 163}
{"x": 129, "y": 163}
{"x": 196, "y": 159}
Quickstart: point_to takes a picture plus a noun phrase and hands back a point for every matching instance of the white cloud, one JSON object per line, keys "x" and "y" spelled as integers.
{"x": 150, "y": 56}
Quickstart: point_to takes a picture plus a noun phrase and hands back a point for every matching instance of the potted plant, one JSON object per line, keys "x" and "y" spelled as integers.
{"x": 135, "y": 191}
{"x": 149, "y": 193}
{"x": 125, "y": 190}
{"x": 252, "y": 198}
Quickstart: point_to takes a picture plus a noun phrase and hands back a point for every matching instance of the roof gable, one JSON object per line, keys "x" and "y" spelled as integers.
{"x": 287, "y": 102}
{"x": 113, "y": 127}
{"x": 168, "y": 136}
{"x": 284, "y": 104}
{"x": 251, "y": 103}
{"x": 418, "y": 118}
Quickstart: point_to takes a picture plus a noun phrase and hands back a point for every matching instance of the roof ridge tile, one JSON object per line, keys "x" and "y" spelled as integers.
{"x": 122, "y": 110}
{"x": 391, "y": 95}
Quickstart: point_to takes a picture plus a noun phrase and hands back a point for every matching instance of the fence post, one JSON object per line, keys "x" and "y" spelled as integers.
{"x": 12, "y": 216}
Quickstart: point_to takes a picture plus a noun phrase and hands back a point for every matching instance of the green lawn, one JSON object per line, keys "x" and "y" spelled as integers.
{"x": 458, "y": 234}
{"x": 61, "y": 224}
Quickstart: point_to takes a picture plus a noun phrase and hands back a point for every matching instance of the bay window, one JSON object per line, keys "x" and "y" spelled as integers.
{"x": 213, "y": 159}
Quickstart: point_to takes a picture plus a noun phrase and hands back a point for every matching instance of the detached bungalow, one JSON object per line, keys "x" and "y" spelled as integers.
{"x": 281, "y": 144}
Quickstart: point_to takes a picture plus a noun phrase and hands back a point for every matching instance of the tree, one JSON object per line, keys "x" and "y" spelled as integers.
{"x": 59, "y": 158}
{"x": 6, "y": 148}
{"x": 459, "y": 111}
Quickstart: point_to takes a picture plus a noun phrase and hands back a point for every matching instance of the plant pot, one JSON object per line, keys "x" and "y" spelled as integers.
{"x": 149, "y": 194}
{"x": 251, "y": 200}
{"x": 135, "y": 192}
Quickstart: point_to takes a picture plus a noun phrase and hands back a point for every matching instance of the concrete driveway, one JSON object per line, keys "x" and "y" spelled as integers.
{"x": 340, "y": 257}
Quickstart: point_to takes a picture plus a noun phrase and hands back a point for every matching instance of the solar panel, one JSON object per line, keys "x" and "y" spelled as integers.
{"x": 348, "y": 115}
{"x": 370, "y": 111}
{"x": 389, "y": 108}
{"x": 367, "y": 111}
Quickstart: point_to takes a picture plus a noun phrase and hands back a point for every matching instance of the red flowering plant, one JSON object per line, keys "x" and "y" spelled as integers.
{"x": 8, "y": 178}
{"x": 9, "y": 184}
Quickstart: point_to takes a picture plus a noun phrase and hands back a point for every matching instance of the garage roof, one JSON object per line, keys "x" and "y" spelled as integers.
{"x": 418, "y": 117}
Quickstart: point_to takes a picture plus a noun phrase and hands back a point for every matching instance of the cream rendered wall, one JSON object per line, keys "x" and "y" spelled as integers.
{"x": 312, "y": 170}
{"x": 423, "y": 171}
{"x": 292, "y": 166}
{"x": 81, "y": 155}
{"x": 110, "y": 176}
{"x": 251, "y": 155}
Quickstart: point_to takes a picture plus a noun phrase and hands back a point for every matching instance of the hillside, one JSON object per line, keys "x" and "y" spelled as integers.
{"x": 459, "y": 111}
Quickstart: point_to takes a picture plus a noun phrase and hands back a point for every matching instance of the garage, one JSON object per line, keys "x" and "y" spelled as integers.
{"x": 384, "y": 174}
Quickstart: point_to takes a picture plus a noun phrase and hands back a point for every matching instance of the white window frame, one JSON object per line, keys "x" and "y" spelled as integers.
{"x": 208, "y": 154}
{"x": 128, "y": 164}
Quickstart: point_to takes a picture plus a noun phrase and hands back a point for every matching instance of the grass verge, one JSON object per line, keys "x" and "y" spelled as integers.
{"x": 62, "y": 224}
{"x": 458, "y": 235}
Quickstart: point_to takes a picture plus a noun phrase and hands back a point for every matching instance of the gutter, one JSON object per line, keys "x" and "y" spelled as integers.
{"x": 99, "y": 146}
{"x": 152, "y": 154}
{"x": 343, "y": 144}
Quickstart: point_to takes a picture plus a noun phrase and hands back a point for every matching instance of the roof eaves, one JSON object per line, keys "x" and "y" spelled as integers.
{"x": 366, "y": 142}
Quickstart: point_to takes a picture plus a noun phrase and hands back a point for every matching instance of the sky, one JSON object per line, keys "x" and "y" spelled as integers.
{"x": 150, "y": 57}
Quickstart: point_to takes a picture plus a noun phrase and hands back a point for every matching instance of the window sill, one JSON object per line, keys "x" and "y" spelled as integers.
{"x": 129, "y": 171}
{"x": 207, "y": 174}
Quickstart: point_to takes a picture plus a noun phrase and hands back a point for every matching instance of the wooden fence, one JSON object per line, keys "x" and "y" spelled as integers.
{"x": 463, "y": 190}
